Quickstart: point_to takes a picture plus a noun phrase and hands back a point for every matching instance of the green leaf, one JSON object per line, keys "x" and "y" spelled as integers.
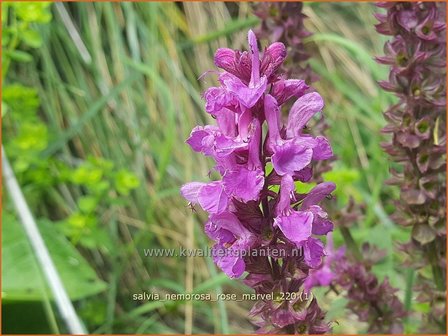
{"x": 32, "y": 137}
{"x": 87, "y": 175}
{"x": 125, "y": 181}
{"x": 19, "y": 56}
{"x": 80, "y": 221}
{"x": 21, "y": 279}
{"x": 87, "y": 203}
{"x": 32, "y": 38}
{"x": 33, "y": 11}
{"x": 22, "y": 100}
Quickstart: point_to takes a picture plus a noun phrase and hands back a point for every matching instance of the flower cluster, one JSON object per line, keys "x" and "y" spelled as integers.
{"x": 416, "y": 54}
{"x": 255, "y": 204}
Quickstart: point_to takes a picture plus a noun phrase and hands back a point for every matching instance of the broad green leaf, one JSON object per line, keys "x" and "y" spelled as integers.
{"x": 21, "y": 280}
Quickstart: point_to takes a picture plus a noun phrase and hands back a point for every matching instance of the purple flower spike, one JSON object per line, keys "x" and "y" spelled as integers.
{"x": 245, "y": 214}
{"x": 416, "y": 55}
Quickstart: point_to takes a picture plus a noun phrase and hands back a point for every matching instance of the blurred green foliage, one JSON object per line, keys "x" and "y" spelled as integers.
{"x": 18, "y": 20}
{"x": 25, "y": 137}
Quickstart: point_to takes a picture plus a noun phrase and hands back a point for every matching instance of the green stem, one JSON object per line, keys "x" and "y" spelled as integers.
{"x": 410, "y": 275}
{"x": 436, "y": 269}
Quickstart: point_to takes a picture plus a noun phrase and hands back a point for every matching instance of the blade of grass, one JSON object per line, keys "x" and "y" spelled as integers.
{"x": 86, "y": 117}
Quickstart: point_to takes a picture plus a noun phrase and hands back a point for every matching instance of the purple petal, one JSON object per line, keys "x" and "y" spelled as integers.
{"x": 321, "y": 224}
{"x": 282, "y": 318}
{"x": 196, "y": 138}
{"x": 213, "y": 198}
{"x": 230, "y": 222}
{"x": 244, "y": 184}
{"x": 224, "y": 145}
{"x": 290, "y": 157}
{"x": 272, "y": 115}
{"x": 229, "y": 261}
{"x": 313, "y": 251}
{"x": 255, "y": 76}
{"x": 225, "y": 59}
{"x": 244, "y": 121}
{"x": 190, "y": 191}
{"x": 254, "y": 160}
{"x": 302, "y": 111}
{"x": 283, "y": 90}
{"x": 317, "y": 194}
{"x": 211, "y": 142}
{"x": 286, "y": 191}
{"x": 297, "y": 226}
{"x": 246, "y": 95}
{"x": 319, "y": 277}
{"x": 216, "y": 98}
{"x": 323, "y": 150}
{"x": 304, "y": 175}
{"x": 273, "y": 58}
{"x": 226, "y": 228}
{"x": 227, "y": 122}
{"x": 407, "y": 19}
{"x": 218, "y": 234}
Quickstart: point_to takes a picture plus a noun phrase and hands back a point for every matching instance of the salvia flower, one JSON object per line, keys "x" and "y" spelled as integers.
{"x": 255, "y": 206}
{"x": 416, "y": 54}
